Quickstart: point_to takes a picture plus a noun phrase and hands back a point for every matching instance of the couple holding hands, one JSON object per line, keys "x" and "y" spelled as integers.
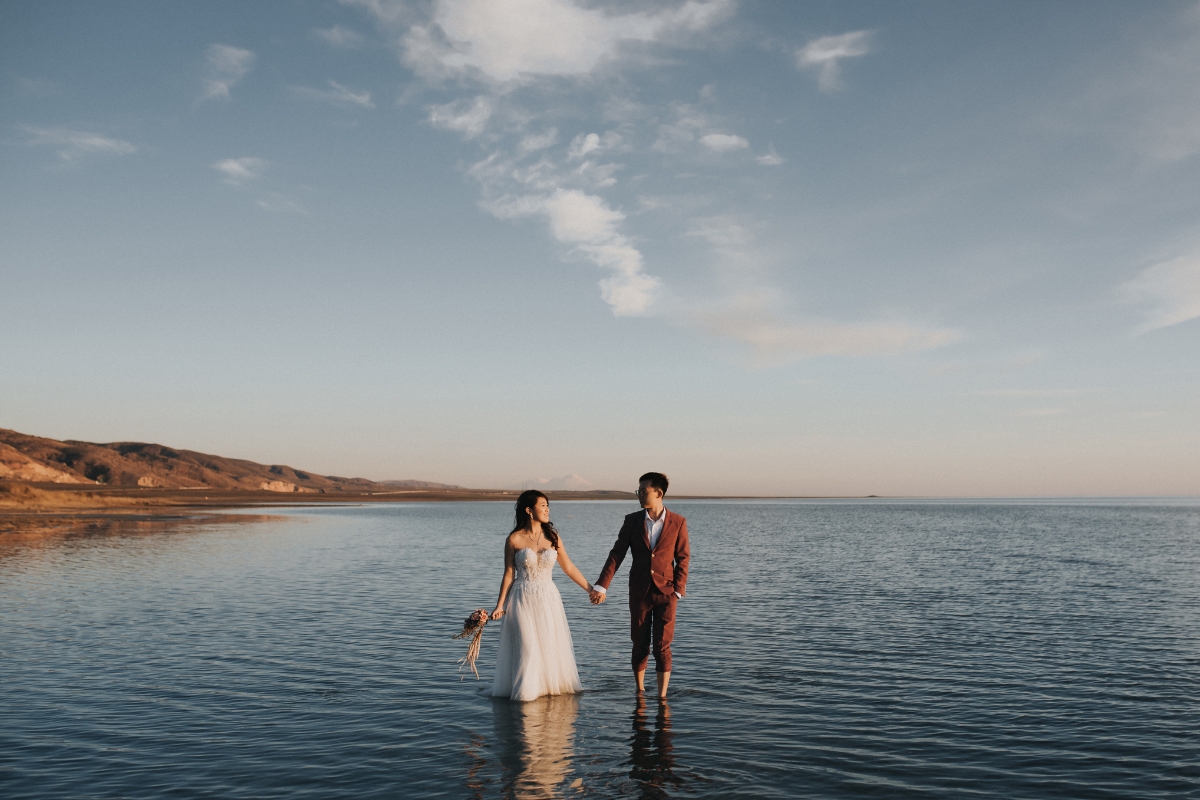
{"x": 536, "y": 656}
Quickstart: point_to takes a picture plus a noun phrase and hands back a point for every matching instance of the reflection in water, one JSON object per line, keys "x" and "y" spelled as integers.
{"x": 536, "y": 743}
{"x": 651, "y": 753}
{"x": 25, "y": 533}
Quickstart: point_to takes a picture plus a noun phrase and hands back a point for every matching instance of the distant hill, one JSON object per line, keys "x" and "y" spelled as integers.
{"x": 38, "y": 460}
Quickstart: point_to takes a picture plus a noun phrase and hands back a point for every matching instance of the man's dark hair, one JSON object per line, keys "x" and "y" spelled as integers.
{"x": 657, "y": 481}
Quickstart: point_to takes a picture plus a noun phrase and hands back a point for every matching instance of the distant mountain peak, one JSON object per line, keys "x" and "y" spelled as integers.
{"x": 567, "y": 483}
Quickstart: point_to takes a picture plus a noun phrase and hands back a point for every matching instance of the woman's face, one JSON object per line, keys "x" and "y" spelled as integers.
{"x": 541, "y": 511}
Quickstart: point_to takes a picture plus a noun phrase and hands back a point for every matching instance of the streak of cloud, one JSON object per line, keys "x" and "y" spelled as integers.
{"x": 226, "y": 65}
{"x": 502, "y": 47}
{"x": 240, "y": 171}
{"x": 71, "y": 145}
{"x": 1169, "y": 293}
{"x": 723, "y": 142}
{"x": 466, "y": 117}
{"x": 518, "y": 39}
{"x": 340, "y": 36}
{"x": 770, "y": 158}
{"x": 774, "y": 339}
{"x": 826, "y": 53}
{"x": 337, "y": 94}
{"x": 590, "y": 226}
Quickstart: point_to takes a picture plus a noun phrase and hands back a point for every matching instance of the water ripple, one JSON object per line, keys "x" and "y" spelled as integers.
{"x": 898, "y": 649}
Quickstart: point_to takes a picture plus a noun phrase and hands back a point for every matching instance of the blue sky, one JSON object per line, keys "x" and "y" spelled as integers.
{"x": 934, "y": 248}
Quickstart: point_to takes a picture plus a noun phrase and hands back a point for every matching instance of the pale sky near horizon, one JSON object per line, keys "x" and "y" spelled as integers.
{"x": 826, "y": 248}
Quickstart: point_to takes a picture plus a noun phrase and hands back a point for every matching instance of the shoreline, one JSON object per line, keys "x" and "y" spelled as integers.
{"x": 45, "y": 501}
{"x": 25, "y": 500}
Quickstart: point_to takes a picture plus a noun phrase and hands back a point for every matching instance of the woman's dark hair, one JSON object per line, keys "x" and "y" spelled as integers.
{"x": 524, "y": 521}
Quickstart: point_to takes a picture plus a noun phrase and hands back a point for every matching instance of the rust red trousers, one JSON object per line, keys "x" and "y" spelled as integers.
{"x": 652, "y": 627}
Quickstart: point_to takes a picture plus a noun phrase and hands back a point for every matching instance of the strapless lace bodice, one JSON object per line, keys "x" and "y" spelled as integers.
{"x": 533, "y": 567}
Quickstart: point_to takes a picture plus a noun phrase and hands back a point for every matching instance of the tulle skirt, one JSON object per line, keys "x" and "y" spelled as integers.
{"x": 536, "y": 656}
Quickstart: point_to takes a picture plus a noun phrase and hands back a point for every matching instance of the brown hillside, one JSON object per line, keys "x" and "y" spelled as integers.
{"x": 34, "y": 459}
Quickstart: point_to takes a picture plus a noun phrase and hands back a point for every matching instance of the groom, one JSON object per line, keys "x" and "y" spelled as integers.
{"x": 657, "y": 579}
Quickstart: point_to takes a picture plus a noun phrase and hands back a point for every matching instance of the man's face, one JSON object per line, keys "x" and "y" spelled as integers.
{"x": 648, "y": 495}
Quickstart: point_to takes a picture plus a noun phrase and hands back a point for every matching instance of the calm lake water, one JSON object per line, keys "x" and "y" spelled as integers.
{"x": 825, "y": 649}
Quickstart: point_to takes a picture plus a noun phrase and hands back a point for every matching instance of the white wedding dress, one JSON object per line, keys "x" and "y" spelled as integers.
{"x": 536, "y": 656}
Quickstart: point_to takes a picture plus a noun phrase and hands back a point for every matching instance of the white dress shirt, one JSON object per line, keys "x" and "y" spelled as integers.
{"x": 654, "y": 529}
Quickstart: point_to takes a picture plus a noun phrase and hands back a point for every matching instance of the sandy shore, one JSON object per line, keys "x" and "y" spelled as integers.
{"x": 28, "y": 506}
{"x": 70, "y": 496}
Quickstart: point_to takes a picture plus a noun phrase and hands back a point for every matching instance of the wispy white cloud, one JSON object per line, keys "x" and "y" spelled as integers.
{"x": 681, "y": 132}
{"x": 336, "y": 93}
{"x": 539, "y": 141}
{"x": 502, "y": 43}
{"x": 826, "y": 53}
{"x": 466, "y": 116}
{"x": 584, "y": 145}
{"x": 1169, "y": 292}
{"x": 241, "y": 171}
{"x": 226, "y": 65}
{"x": 386, "y": 12}
{"x": 1152, "y": 99}
{"x": 591, "y": 227}
{"x": 340, "y": 36}
{"x": 723, "y": 142}
{"x": 249, "y": 171}
{"x": 72, "y": 145}
{"x": 498, "y": 47}
{"x": 752, "y": 319}
{"x": 278, "y": 203}
{"x": 686, "y": 126}
{"x": 729, "y": 238}
{"x": 517, "y": 39}
{"x": 770, "y": 158}
{"x": 756, "y": 315}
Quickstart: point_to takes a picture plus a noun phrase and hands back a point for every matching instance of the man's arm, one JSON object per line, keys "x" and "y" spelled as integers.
{"x": 615, "y": 557}
{"x": 683, "y": 554}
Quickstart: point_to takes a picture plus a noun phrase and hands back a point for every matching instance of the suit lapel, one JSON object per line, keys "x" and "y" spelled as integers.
{"x": 646, "y": 533}
{"x": 662, "y": 535}
{"x": 668, "y": 523}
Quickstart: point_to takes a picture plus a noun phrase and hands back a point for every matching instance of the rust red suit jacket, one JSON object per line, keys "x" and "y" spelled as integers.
{"x": 666, "y": 568}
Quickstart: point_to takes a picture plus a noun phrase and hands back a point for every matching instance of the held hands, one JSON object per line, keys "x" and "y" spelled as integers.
{"x": 497, "y": 613}
{"x": 597, "y": 597}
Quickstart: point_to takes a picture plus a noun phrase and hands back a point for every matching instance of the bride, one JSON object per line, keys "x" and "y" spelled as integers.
{"x": 536, "y": 656}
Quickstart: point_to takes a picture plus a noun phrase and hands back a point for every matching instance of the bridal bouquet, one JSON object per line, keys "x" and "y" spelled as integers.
{"x": 473, "y": 627}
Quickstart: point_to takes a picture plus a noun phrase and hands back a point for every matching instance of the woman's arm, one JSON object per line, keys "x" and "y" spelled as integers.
{"x": 506, "y": 581}
{"x": 570, "y": 569}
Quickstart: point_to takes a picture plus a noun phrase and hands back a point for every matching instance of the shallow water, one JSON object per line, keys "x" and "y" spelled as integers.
{"x": 825, "y": 649}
